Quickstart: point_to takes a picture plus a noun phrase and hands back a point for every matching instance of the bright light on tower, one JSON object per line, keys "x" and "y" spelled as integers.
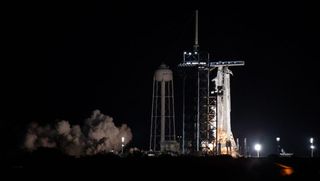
{"x": 257, "y": 147}
{"x": 312, "y": 147}
{"x": 122, "y": 139}
{"x": 122, "y": 144}
{"x": 278, "y": 141}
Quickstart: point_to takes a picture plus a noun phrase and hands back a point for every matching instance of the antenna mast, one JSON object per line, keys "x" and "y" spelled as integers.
{"x": 196, "y": 44}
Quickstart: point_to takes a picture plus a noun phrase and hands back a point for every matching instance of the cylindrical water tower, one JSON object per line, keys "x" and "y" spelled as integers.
{"x": 162, "y": 113}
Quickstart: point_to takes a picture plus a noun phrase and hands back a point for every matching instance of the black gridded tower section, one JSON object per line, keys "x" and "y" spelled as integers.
{"x": 199, "y": 103}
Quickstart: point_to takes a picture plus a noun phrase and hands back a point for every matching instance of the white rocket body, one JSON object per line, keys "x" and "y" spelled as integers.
{"x": 224, "y": 111}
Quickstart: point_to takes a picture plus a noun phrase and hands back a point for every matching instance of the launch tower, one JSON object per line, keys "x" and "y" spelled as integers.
{"x": 211, "y": 117}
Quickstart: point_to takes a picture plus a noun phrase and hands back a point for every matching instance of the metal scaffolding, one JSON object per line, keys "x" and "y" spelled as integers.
{"x": 212, "y": 111}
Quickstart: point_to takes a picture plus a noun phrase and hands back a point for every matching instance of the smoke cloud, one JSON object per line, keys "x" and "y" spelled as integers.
{"x": 98, "y": 135}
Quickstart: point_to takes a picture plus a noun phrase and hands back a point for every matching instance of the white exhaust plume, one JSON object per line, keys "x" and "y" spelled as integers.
{"x": 98, "y": 135}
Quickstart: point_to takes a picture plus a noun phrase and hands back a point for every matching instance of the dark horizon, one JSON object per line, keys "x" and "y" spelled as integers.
{"x": 102, "y": 56}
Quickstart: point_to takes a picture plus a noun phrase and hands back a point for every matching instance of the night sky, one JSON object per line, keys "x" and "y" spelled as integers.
{"x": 77, "y": 57}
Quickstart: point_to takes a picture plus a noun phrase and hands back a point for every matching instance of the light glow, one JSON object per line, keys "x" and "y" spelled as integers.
{"x": 257, "y": 147}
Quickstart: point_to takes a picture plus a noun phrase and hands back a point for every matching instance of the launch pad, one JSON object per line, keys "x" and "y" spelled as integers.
{"x": 206, "y": 119}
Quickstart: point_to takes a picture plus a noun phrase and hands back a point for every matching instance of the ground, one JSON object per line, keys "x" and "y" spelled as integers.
{"x": 137, "y": 165}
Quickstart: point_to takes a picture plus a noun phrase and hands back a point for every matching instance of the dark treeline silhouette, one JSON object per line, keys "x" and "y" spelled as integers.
{"x": 184, "y": 166}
